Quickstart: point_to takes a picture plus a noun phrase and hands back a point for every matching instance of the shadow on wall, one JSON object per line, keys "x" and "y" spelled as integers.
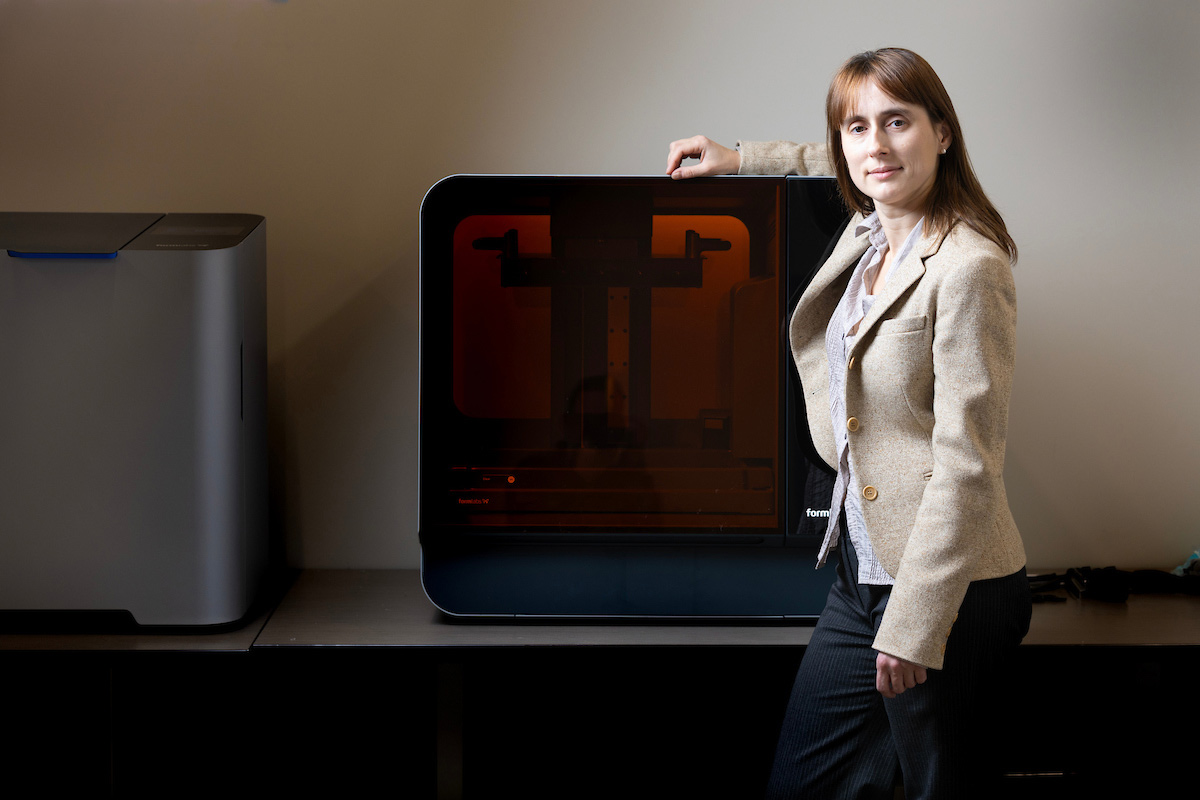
{"x": 343, "y": 410}
{"x": 1099, "y": 470}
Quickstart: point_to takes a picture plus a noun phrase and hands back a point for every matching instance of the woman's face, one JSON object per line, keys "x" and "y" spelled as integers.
{"x": 892, "y": 151}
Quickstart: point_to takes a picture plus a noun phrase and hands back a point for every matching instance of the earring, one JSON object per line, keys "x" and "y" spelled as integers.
{"x": 943, "y": 151}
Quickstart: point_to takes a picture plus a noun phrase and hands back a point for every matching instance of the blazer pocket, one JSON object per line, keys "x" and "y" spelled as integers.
{"x": 900, "y": 325}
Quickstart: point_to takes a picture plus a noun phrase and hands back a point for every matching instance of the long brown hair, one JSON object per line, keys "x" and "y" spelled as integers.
{"x": 956, "y": 193}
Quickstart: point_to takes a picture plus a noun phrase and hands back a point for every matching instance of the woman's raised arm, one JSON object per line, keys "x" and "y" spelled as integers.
{"x": 754, "y": 158}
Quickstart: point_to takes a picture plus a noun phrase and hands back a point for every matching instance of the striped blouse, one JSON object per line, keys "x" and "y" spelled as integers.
{"x": 839, "y": 341}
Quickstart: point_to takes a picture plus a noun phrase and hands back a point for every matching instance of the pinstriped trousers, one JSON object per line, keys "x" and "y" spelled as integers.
{"x": 842, "y": 739}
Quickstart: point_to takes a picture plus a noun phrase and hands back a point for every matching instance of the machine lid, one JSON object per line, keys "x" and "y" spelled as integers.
{"x": 196, "y": 232}
{"x": 79, "y": 235}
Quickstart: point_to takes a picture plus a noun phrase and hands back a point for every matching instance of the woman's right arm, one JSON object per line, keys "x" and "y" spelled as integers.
{"x": 784, "y": 158}
{"x": 754, "y": 158}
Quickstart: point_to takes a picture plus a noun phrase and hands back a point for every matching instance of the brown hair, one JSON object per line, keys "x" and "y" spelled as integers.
{"x": 956, "y": 193}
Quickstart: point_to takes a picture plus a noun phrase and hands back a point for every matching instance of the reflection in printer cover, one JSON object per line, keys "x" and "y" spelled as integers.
{"x": 605, "y": 361}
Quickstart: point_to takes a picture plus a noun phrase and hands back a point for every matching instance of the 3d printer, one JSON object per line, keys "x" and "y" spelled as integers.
{"x": 608, "y": 426}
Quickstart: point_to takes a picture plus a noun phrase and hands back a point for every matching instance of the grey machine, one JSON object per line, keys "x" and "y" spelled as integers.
{"x": 133, "y": 415}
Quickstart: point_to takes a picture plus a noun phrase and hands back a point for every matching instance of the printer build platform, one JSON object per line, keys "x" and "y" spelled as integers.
{"x": 133, "y": 458}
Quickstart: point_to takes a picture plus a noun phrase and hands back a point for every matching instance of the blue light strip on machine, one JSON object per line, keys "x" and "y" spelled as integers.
{"x": 16, "y": 254}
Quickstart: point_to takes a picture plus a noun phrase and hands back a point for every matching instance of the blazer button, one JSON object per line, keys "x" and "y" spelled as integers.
{"x": 869, "y": 492}
{"x": 852, "y": 424}
{"x": 850, "y": 363}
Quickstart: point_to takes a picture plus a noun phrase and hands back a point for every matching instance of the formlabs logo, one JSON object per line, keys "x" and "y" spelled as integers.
{"x": 809, "y": 512}
{"x": 473, "y": 501}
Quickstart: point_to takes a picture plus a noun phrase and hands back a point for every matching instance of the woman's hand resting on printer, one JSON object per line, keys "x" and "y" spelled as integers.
{"x": 715, "y": 159}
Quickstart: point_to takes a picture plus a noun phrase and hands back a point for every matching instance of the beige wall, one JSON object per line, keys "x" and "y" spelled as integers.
{"x": 333, "y": 118}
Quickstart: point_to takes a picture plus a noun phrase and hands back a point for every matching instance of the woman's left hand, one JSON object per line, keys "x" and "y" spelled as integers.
{"x": 895, "y": 675}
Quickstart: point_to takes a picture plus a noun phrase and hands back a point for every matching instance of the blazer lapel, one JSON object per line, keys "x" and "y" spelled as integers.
{"x": 903, "y": 276}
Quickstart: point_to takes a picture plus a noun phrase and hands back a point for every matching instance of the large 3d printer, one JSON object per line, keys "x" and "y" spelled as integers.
{"x": 608, "y": 413}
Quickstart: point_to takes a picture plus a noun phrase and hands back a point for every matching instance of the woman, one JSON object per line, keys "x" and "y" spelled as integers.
{"x": 904, "y": 342}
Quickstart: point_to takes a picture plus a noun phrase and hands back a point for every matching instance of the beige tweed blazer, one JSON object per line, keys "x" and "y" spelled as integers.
{"x": 927, "y": 386}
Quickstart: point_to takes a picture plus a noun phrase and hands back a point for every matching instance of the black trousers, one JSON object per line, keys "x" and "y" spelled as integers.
{"x": 842, "y": 739}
